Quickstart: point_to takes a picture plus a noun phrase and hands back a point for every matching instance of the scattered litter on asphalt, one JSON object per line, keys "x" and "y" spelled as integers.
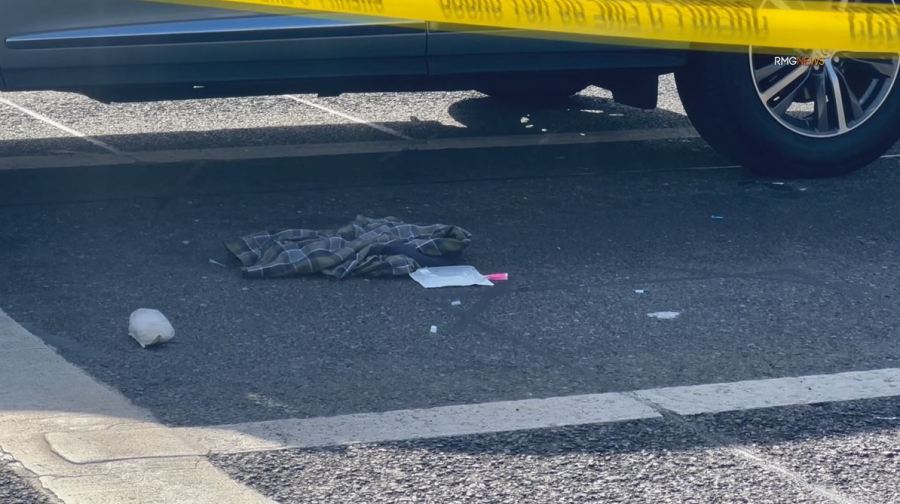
{"x": 638, "y": 291}
{"x": 781, "y": 186}
{"x": 524, "y": 120}
{"x": 365, "y": 247}
{"x": 497, "y": 277}
{"x": 717, "y": 217}
{"x": 785, "y": 188}
{"x": 543, "y": 130}
{"x": 150, "y": 327}
{"x": 455, "y": 303}
{"x": 664, "y": 315}
{"x": 434, "y": 329}
{"x": 217, "y": 263}
{"x": 529, "y": 125}
{"x": 449, "y": 276}
{"x": 185, "y": 242}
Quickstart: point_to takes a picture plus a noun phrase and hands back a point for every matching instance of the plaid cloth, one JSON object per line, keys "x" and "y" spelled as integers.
{"x": 372, "y": 247}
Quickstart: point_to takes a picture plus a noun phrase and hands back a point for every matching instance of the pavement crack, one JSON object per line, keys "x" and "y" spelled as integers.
{"x": 99, "y": 462}
{"x": 29, "y": 476}
{"x": 739, "y": 450}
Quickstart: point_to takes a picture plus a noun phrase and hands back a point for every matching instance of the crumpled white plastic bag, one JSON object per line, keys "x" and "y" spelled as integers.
{"x": 150, "y": 327}
{"x": 449, "y": 276}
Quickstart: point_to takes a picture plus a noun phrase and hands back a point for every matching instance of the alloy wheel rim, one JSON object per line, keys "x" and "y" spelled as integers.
{"x": 821, "y": 93}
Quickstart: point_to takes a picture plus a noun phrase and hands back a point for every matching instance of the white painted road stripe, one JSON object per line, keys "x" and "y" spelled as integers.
{"x": 62, "y": 127}
{"x": 86, "y": 447}
{"x": 99, "y": 446}
{"x": 42, "y": 393}
{"x": 379, "y": 127}
{"x": 341, "y": 148}
{"x": 744, "y": 395}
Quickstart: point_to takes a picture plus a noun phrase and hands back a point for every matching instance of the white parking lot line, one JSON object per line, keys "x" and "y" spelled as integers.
{"x": 379, "y": 127}
{"x": 791, "y": 391}
{"x": 99, "y": 446}
{"x": 62, "y": 127}
{"x": 89, "y": 447}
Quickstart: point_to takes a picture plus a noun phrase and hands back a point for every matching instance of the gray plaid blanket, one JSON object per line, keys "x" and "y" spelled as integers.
{"x": 371, "y": 247}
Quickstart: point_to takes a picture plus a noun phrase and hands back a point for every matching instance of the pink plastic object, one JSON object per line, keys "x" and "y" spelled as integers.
{"x": 497, "y": 277}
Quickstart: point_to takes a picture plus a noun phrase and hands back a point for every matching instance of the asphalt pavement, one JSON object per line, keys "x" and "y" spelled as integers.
{"x": 15, "y": 488}
{"x": 838, "y": 453}
{"x": 601, "y": 214}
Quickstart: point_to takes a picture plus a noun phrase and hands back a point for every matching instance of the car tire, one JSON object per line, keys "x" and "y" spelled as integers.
{"x": 548, "y": 93}
{"x": 721, "y": 96}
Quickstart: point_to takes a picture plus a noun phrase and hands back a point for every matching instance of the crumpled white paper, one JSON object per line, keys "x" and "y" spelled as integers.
{"x": 449, "y": 276}
{"x": 150, "y": 327}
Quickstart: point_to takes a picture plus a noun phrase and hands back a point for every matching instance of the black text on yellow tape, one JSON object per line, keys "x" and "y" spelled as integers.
{"x": 778, "y": 24}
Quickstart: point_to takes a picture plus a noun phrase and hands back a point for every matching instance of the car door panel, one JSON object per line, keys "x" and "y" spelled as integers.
{"x": 458, "y": 49}
{"x": 54, "y": 44}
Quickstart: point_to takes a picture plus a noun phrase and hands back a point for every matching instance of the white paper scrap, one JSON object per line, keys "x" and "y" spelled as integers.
{"x": 449, "y": 276}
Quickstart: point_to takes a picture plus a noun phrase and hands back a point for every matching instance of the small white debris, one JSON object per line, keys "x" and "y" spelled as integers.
{"x": 638, "y": 291}
{"x": 434, "y": 329}
{"x": 582, "y": 134}
{"x": 543, "y": 130}
{"x": 664, "y": 315}
{"x": 185, "y": 242}
{"x": 217, "y": 263}
{"x": 150, "y": 327}
{"x": 449, "y": 276}
{"x": 529, "y": 125}
{"x": 455, "y": 303}
{"x": 524, "y": 120}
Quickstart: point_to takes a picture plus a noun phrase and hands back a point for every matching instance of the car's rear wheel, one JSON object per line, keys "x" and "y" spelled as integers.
{"x": 806, "y": 114}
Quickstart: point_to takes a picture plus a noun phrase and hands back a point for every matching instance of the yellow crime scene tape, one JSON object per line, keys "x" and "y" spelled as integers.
{"x": 776, "y": 24}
